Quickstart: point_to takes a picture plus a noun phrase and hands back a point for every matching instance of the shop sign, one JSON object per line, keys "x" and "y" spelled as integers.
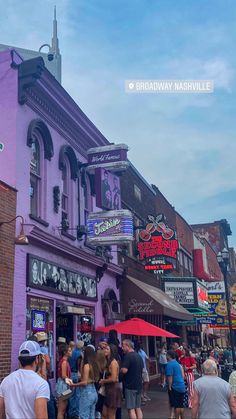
{"x": 188, "y": 292}
{"x": 110, "y": 227}
{"x": 217, "y": 286}
{"x": 181, "y": 292}
{"x": 38, "y": 320}
{"x": 218, "y": 308}
{"x": 54, "y": 278}
{"x": 107, "y": 187}
{"x": 135, "y": 306}
{"x": 202, "y": 296}
{"x": 186, "y": 322}
{"x": 85, "y": 329}
{"x": 112, "y": 157}
{"x": 158, "y": 241}
{"x": 158, "y": 266}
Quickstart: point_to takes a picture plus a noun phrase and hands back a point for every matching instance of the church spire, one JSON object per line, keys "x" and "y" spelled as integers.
{"x": 55, "y": 42}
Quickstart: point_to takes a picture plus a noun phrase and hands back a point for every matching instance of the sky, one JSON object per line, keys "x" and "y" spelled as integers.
{"x": 183, "y": 143}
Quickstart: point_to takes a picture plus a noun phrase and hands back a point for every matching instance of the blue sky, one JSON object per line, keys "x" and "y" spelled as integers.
{"x": 183, "y": 143}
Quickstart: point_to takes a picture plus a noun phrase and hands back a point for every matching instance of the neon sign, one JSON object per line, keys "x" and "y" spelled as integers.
{"x": 110, "y": 227}
{"x": 158, "y": 240}
{"x": 158, "y": 246}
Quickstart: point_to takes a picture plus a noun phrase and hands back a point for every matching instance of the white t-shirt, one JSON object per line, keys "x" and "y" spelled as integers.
{"x": 20, "y": 389}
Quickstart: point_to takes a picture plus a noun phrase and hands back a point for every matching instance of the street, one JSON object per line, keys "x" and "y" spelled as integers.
{"x": 158, "y": 407}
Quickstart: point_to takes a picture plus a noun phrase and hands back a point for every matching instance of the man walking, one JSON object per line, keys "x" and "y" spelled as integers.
{"x": 23, "y": 393}
{"x": 132, "y": 368}
{"x": 212, "y": 397}
{"x": 176, "y": 386}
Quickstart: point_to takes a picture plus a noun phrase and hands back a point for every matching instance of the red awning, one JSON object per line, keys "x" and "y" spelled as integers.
{"x": 198, "y": 266}
{"x": 136, "y": 326}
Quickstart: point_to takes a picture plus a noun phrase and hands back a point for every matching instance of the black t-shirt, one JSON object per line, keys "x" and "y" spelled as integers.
{"x": 133, "y": 378}
{"x": 204, "y": 355}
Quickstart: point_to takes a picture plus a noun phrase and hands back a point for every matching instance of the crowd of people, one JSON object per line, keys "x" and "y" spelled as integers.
{"x": 196, "y": 379}
{"x": 91, "y": 382}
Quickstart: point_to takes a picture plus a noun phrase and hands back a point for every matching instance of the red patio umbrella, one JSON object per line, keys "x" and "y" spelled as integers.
{"x": 137, "y": 327}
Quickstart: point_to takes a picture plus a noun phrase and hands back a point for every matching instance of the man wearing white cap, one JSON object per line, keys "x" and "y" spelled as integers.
{"x": 23, "y": 393}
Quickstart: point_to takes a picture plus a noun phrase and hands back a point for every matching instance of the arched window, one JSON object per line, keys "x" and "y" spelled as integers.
{"x": 69, "y": 168}
{"x": 35, "y": 178}
{"x": 40, "y": 142}
{"x": 65, "y": 200}
{"x": 87, "y": 198}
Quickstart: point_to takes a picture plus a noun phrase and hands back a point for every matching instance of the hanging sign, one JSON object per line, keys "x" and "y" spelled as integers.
{"x": 107, "y": 187}
{"x": 158, "y": 245}
{"x": 218, "y": 306}
{"x": 110, "y": 227}
{"x": 112, "y": 157}
{"x": 188, "y": 292}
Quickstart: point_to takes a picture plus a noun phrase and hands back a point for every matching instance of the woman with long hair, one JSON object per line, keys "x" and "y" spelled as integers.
{"x": 64, "y": 372}
{"x": 89, "y": 376}
{"x": 113, "y": 395}
{"x": 189, "y": 364}
{"x": 102, "y": 365}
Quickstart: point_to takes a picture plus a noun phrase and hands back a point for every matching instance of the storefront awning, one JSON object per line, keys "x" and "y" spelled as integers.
{"x": 198, "y": 266}
{"x": 142, "y": 298}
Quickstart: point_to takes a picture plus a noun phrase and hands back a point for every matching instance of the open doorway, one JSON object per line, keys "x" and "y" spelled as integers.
{"x": 65, "y": 326}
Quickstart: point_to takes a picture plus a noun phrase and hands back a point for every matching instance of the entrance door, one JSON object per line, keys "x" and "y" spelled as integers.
{"x": 65, "y": 326}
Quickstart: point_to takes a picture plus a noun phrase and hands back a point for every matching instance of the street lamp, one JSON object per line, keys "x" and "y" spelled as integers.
{"x": 223, "y": 260}
{"x": 21, "y": 238}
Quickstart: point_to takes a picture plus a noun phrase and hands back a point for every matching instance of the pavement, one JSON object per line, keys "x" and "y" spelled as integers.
{"x": 158, "y": 407}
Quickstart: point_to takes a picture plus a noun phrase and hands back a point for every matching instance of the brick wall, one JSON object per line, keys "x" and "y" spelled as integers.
{"x": 184, "y": 233}
{"x": 7, "y": 249}
{"x": 140, "y": 208}
{"x": 212, "y": 264}
{"x": 163, "y": 206}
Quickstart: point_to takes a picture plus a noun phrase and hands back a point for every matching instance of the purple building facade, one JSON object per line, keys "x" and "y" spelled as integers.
{"x": 60, "y": 285}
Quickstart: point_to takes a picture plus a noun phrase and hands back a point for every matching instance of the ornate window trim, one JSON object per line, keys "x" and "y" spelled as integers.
{"x": 37, "y": 125}
{"x": 68, "y": 151}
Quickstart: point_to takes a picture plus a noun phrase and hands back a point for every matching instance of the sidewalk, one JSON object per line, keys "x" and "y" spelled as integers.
{"x": 158, "y": 407}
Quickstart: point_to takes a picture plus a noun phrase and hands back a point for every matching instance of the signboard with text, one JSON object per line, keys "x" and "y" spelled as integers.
{"x": 181, "y": 292}
{"x": 217, "y": 305}
{"x": 189, "y": 292}
{"x": 112, "y": 157}
{"x": 110, "y": 227}
{"x": 158, "y": 245}
{"x": 51, "y": 277}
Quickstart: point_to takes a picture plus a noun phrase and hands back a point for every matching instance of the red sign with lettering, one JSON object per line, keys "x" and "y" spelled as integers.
{"x": 157, "y": 240}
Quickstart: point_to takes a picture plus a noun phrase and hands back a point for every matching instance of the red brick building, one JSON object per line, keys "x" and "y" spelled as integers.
{"x": 7, "y": 251}
{"x": 186, "y": 245}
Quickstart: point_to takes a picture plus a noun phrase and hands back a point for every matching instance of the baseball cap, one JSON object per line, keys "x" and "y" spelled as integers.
{"x": 91, "y": 346}
{"x": 32, "y": 348}
{"x": 103, "y": 339}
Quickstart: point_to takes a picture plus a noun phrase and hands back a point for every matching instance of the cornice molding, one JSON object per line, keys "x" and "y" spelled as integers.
{"x": 41, "y": 92}
{"x": 63, "y": 248}
{"x": 29, "y": 72}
